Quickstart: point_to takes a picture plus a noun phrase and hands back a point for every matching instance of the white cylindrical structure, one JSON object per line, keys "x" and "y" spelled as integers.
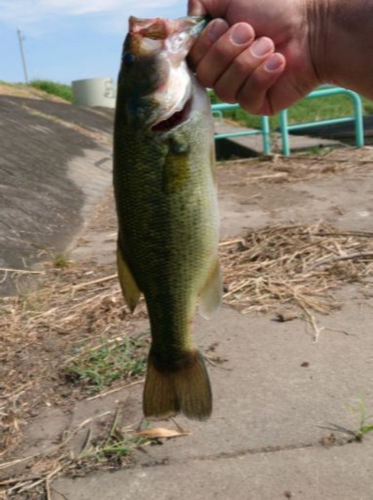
{"x": 95, "y": 92}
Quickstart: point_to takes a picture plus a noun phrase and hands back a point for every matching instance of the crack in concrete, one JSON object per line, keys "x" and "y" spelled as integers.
{"x": 323, "y": 443}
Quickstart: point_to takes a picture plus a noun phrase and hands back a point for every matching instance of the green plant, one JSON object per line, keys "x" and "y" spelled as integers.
{"x": 365, "y": 420}
{"x": 102, "y": 365}
{"x": 61, "y": 260}
{"x": 54, "y": 88}
{"x": 115, "y": 445}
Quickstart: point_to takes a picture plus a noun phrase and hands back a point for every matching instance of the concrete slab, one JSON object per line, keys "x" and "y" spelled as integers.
{"x": 306, "y": 474}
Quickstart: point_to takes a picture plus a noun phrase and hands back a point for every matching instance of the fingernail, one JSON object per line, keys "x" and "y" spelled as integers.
{"x": 242, "y": 33}
{"x": 216, "y": 29}
{"x": 261, "y": 47}
{"x": 274, "y": 62}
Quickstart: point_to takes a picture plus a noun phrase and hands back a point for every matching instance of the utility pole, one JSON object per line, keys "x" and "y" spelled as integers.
{"x": 21, "y": 39}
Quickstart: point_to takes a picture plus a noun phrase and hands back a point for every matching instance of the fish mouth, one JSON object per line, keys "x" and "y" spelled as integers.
{"x": 174, "y": 120}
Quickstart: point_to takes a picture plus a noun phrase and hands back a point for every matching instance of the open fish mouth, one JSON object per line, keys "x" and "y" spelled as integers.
{"x": 174, "y": 120}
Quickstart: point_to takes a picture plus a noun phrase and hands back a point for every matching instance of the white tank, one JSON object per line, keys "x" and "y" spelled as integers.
{"x": 95, "y": 92}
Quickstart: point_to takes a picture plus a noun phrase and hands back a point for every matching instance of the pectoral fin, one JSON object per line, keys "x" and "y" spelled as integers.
{"x": 211, "y": 294}
{"x": 130, "y": 290}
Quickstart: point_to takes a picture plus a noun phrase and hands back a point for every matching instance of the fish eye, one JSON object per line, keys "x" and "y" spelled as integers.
{"x": 128, "y": 58}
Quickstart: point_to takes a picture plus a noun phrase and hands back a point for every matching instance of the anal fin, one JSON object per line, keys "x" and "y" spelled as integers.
{"x": 130, "y": 290}
{"x": 210, "y": 296}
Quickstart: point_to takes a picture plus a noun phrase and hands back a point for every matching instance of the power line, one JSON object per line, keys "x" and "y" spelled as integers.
{"x": 21, "y": 39}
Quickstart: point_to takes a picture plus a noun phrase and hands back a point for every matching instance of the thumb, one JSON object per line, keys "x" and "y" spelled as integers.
{"x": 196, "y": 8}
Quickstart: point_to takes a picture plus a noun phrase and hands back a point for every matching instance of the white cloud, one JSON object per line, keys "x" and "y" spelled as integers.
{"x": 118, "y": 23}
{"x": 28, "y": 12}
{"x": 79, "y": 7}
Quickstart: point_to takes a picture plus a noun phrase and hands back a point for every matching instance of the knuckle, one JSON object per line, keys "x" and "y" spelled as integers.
{"x": 242, "y": 65}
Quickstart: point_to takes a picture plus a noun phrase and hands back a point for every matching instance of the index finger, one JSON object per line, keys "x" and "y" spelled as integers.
{"x": 213, "y": 8}
{"x": 196, "y": 8}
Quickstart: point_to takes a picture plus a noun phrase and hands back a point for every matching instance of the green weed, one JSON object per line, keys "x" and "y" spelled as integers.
{"x": 102, "y": 365}
{"x": 365, "y": 420}
{"x": 116, "y": 445}
{"x": 116, "y": 448}
{"x": 61, "y": 261}
{"x": 54, "y": 88}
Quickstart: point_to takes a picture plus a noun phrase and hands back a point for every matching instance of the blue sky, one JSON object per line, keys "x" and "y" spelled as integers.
{"x": 68, "y": 40}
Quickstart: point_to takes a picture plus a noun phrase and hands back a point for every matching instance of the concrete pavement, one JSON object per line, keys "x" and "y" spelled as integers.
{"x": 311, "y": 474}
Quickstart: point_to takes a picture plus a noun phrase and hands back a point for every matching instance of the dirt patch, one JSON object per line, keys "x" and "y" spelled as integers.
{"x": 334, "y": 187}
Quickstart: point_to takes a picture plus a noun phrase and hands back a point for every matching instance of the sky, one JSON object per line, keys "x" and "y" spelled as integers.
{"x": 66, "y": 40}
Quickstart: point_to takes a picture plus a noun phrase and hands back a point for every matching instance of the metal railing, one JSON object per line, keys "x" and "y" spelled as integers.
{"x": 285, "y": 128}
{"x": 264, "y": 130}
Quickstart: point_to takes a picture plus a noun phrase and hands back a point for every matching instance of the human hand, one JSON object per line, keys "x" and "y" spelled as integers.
{"x": 254, "y": 52}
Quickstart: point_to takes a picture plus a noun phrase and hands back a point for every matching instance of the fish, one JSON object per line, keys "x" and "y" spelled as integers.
{"x": 166, "y": 201}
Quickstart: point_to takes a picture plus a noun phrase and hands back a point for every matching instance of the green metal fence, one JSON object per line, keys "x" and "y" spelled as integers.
{"x": 285, "y": 128}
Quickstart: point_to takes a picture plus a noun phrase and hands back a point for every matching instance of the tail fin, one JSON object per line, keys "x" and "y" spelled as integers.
{"x": 186, "y": 390}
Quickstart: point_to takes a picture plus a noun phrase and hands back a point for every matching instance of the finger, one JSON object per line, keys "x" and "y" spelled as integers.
{"x": 213, "y": 31}
{"x": 253, "y": 95}
{"x": 215, "y": 8}
{"x": 231, "y": 81}
{"x": 196, "y": 8}
{"x": 221, "y": 53}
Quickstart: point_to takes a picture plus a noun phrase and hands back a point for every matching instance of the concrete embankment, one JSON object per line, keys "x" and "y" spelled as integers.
{"x": 55, "y": 162}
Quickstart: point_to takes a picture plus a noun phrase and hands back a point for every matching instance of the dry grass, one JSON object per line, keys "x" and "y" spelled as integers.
{"x": 21, "y": 90}
{"x": 296, "y": 265}
{"x": 287, "y": 265}
{"x": 295, "y": 268}
{"x": 302, "y": 167}
{"x": 110, "y": 449}
{"x": 70, "y": 312}
{"x": 78, "y": 298}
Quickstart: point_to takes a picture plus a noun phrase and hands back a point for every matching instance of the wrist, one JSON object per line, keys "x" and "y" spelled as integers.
{"x": 341, "y": 42}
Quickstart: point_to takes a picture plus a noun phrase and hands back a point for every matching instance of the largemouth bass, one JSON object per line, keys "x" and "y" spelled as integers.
{"x": 166, "y": 200}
